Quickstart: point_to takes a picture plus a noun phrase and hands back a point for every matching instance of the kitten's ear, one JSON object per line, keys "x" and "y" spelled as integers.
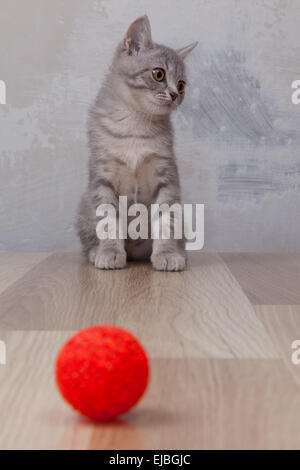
{"x": 186, "y": 50}
{"x": 138, "y": 36}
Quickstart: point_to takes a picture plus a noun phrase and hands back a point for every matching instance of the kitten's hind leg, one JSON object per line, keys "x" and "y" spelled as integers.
{"x": 138, "y": 250}
{"x": 92, "y": 255}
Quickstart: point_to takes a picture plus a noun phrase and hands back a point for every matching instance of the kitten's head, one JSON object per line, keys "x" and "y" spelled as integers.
{"x": 150, "y": 77}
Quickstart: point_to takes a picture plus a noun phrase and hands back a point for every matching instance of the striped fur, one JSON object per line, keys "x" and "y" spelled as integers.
{"x": 131, "y": 148}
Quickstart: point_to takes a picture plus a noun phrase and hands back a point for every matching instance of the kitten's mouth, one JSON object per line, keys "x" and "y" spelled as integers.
{"x": 166, "y": 103}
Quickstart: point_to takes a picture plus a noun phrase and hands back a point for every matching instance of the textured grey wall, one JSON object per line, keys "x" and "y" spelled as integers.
{"x": 237, "y": 132}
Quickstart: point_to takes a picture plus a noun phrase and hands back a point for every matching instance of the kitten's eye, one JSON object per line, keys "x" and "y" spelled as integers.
{"x": 158, "y": 74}
{"x": 180, "y": 86}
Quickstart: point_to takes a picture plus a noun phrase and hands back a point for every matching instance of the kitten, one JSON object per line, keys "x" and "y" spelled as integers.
{"x": 131, "y": 145}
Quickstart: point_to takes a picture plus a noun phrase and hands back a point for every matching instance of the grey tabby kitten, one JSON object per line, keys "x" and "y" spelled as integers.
{"x": 131, "y": 144}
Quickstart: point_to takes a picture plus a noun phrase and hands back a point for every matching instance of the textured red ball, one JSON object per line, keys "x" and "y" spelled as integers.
{"x": 102, "y": 372}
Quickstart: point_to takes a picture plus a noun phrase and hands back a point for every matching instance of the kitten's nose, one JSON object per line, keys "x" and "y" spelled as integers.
{"x": 173, "y": 95}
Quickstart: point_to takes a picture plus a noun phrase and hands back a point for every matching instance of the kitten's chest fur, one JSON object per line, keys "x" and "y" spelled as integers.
{"x": 137, "y": 149}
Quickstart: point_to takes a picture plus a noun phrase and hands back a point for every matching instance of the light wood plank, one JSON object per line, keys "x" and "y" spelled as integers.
{"x": 283, "y": 325}
{"x": 211, "y": 404}
{"x": 198, "y": 313}
{"x": 14, "y": 265}
{"x": 191, "y": 403}
{"x": 267, "y": 278}
{"x": 32, "y": 413}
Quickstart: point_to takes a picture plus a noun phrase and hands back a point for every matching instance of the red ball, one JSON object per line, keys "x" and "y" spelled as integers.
{"x": 102, "y": 372}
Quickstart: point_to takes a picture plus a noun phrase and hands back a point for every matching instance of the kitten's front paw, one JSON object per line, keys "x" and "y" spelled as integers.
{"x": 108, "y": 259}
{"x": 168, "y": 261}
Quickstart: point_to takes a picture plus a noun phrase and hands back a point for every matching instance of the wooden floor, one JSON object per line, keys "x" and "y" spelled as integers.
{"x": 219, "y": 337}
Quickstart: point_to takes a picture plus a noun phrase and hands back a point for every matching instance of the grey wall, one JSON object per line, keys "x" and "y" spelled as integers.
{"x": 237, "y": 132}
